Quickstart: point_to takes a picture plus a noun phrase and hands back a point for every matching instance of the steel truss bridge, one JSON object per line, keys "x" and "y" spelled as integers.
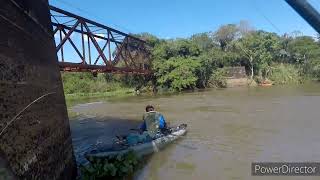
{"x": 101, "y": 49}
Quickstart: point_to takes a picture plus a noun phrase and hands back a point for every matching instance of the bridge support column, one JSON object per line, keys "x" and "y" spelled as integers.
{"x": 35, "y": 139}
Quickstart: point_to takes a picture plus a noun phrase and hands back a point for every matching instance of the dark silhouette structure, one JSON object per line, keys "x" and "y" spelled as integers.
{"x": 307, "y": 12}
{"x": 35, "y": 139}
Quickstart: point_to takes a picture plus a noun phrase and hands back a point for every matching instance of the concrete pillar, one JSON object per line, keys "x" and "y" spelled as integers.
{"x": 35, "y": 139}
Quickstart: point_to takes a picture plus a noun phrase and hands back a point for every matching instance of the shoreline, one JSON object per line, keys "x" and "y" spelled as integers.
{"x": 72, "y": 99}
{"x": 116, "y": 93}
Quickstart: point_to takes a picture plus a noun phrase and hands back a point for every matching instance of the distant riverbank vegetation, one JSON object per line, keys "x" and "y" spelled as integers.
{"x": 199, "y": 62}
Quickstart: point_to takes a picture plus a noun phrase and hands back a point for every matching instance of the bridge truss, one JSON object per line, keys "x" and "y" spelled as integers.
{"x": 99, "y": 48}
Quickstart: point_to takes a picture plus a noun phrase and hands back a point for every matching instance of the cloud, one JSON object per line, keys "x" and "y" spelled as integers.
{"x": 56, "y": 35}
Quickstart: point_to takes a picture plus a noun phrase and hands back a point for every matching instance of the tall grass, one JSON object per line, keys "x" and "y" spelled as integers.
{"x": 285, "y": 74}
{"x": 218, "y": 78}
{"x": 77, "y": 85}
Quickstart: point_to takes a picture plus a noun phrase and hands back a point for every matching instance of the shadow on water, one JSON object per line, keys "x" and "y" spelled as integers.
{"x": 89, "y": 133}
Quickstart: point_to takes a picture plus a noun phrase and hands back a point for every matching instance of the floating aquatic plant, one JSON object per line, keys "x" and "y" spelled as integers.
{"x": 118, "y": 166}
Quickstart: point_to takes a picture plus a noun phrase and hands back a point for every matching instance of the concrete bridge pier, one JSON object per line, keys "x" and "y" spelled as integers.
{"x": 35, "y": 139}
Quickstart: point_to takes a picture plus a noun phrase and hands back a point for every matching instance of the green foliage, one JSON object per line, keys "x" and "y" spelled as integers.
{"x": 218, "y": 78}
{"x": 149, "y": 38}
{"x": 117, "y": 166}
{"x": 177, "y": 73}
{"x": 179, "y": 47}
{"x": 204, "y": 41}
{"x": 303, "y": 49}
{"x": 175, "y": 64}
{"x": 225, "y": 58}
{"x": 204, "y": 71}
{"x": 225, "y": 35}
{"x": 259, "y": 49}
{"x": 87, "y": 83}
{"x": 162, "y": 51}
{"x": 312, "y": 68}
{"x": 285, "y": 74}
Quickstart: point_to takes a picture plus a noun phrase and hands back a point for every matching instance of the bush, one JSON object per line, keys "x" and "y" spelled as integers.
{"x": 177, "y": 73}
{"x": 218, "y": 78}
{"x": 74, "y": 83}
{"x": 285, "y": 74}
{"x": 312, "y": 69}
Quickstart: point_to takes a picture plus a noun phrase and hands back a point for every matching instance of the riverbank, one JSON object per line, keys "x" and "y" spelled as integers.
{"x": 117, "y": 93}
{"x": 127, "y": 92}
{"x": 84, "y": 87}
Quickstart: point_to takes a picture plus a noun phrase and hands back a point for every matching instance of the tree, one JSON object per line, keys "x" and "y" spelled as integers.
{"x": 177, "y": 73}
{"x": 149, "y": 38}
{"x": 296, "y": 34}
{"x": 225, "y": 35}
{"x": 205, "y": 70}
{"x": 163, "y": 51}
{"x": 303, "y": 48}
{"x": 306, "y": 51}
{"x": 186, "y": 48}
{"x": 203, "y": 40}
{"x": 259, "y": 49}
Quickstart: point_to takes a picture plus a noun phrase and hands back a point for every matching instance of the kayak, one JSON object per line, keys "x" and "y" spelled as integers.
{"x": 143, "y": 149}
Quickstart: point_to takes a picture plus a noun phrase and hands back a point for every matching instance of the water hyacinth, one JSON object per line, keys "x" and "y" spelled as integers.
{"x": 118, "y": 166}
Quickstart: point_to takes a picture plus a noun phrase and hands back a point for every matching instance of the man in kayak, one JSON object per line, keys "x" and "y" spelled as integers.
{"x": 153, "y": 122}
{"x": 153, "y": 126}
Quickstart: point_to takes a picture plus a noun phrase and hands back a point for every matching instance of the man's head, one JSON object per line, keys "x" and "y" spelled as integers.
{"x": 149, "y": 108}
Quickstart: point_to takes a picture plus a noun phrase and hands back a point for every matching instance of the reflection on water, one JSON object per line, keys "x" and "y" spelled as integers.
{"x": 228, "y": 129}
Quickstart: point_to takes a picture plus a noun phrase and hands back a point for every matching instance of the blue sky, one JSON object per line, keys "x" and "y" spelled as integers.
{"x": 182, "y": 18}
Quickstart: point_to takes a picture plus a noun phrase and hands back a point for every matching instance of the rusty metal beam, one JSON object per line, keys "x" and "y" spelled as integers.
{"x": 83, "y": 47}
{"x": 66, "y": 37}
{"x": 82, "y": 32}
{"x": 73, "y": 67}
{"x": 95, "y": 43}
{"x": 119, "y": 51}
{"x": 89, "y": 50}
{"x": 62, "y": 55}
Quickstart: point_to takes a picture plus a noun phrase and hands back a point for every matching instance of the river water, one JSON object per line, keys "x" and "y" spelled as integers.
{"x": 228, "y": 129}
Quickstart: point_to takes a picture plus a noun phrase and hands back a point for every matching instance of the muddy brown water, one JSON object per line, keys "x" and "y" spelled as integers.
{"x": 228, "y": 129}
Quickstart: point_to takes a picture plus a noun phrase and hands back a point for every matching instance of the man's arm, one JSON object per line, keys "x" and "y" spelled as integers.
{"x": 162, "y": 122}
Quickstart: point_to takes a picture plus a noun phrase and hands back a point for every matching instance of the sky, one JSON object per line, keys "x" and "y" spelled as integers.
{"x": 182, "y": 18}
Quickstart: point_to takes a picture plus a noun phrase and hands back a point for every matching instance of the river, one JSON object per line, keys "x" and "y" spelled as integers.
{"x": 228, "y": 129}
